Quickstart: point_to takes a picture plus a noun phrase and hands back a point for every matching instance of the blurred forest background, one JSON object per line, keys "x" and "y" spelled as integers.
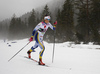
{"x": 78, "y": 21}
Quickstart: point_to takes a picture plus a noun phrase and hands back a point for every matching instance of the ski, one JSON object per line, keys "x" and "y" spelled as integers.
{"x": 31, "y": 59}
{"x": 35, "y": 61}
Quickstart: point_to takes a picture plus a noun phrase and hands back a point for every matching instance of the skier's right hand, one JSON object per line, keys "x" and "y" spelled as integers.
{"x": 31, "y": 39}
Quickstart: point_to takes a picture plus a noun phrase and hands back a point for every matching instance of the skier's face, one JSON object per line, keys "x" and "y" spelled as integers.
{"x": 46, "y": 21}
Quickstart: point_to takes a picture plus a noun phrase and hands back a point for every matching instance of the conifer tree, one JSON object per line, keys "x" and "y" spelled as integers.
{"x": 83, "y": 27}
{"x": 31, "y": 21}
{"x": 17, "y": 28}
{"x": 95, "y": 20}
{"x": 58, "y": 29}
{"x": 38, "y": 18}
{"x": 67, "y": 20}
{"x": 12, "y": 26}
{"x": 49, "y": 34}
{"x": 88, "y": 20}
{"x": 45, "y": 12}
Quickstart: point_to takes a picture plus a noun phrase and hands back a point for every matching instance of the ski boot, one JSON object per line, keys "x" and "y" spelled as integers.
{"x": 40, "y": 62}
{"x": 29, "y": 54}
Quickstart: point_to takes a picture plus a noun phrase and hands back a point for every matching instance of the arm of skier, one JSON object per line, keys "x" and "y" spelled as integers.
{"x": 34, "y": 31}
{"x": 53, "y": 27}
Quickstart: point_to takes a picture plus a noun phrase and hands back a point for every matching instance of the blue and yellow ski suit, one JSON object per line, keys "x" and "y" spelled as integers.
{"x": 38, "y": 33}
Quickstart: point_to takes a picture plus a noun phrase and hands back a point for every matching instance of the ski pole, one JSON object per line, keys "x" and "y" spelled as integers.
{"x": 18, "y": 52}
{"x": 53, "y": 48}
{"x": 54, "y": 44}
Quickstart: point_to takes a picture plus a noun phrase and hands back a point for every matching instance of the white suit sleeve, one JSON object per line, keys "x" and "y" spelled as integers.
{"x": 36, "y": 28}
{"x": 52, "y": 27}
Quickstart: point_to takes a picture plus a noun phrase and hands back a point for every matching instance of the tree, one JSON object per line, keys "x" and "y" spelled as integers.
{"x": 31, "y": 22}
{"x": 67, "y": 20}
{"x": 17, "y": 28}
{"x": 12, "y": 27}
{"x": 58, "y": 29}
{"x": 95, "y": 20}
{"x": 49, "y": 34}
{"x": 45, "y": 12}
{"x": 83, "y": 27}
{"x": 38, "y": 17}
{"x": 88, "y": 20}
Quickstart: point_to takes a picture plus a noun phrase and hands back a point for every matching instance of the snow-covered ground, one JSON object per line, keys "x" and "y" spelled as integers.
{"x": 68, "y": 59}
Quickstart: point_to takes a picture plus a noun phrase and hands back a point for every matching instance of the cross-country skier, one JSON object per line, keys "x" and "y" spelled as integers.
{"x": 38, "y": 33}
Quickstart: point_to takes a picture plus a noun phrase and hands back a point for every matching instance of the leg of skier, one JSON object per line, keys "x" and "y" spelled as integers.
{"x": 41, "y": 45}
{"x": 39, "y": 42}
{"x": 41, "y": 54}
{"x": 32, "y": 49}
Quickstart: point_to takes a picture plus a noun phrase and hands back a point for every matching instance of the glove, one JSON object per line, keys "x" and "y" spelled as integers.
{"x": 31, "y": 39}
{"x": 55, "y": 24}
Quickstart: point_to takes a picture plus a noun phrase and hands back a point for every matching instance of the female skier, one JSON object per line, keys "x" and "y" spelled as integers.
{"x": 40, "y": 30}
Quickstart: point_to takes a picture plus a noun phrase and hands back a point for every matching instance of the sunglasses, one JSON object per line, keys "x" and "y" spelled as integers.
{"x": 48, "y": 19}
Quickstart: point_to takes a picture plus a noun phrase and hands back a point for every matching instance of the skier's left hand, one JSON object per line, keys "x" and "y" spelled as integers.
{"x": 55, "y": 23}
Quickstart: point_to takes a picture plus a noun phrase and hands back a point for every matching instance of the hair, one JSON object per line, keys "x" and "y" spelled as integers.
{"x": 43, "y": 17}
{"x": 46, "y": 15}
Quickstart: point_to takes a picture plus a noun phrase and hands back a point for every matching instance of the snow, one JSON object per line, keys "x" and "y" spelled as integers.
{"x": 69, "y": 58}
